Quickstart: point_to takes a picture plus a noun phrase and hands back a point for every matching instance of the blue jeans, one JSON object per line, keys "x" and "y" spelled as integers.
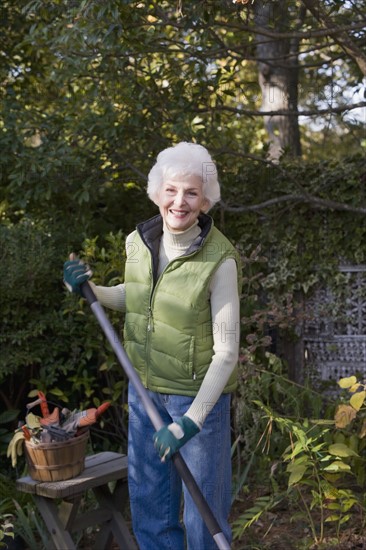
{"x": 155, "y": 487}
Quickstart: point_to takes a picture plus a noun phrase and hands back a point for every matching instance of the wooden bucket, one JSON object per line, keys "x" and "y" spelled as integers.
{"x": 58, "y": 460}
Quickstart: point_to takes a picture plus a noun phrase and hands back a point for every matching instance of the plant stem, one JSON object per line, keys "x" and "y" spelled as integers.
{"x": 321, "y": 505}
{"x": 308, "y": 513}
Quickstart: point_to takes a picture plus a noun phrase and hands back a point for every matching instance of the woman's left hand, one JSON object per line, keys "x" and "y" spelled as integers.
{"x": 169, "y": 439}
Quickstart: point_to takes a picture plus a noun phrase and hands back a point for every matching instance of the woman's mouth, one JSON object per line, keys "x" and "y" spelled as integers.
{"x": 178, "y": 213}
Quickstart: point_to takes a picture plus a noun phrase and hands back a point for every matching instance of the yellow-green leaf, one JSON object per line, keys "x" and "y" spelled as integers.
{"x": 354, "y": 442}
{"x": 296, "y": 474}
{"x": 56, "y": 391}
{"x": 333, "y": 517}
{"x": 331, "y": 493}
{"x": 357, "y": 400}
{"x": 333, "y": 506}
{"x": 294, "y": 466}
{"x": 347, "y": 382}
{"x": 337, "y": 466}
{"x": 32, "y": 421}
{"x": 344, "y": 519}
{"x": 340, "y": 449}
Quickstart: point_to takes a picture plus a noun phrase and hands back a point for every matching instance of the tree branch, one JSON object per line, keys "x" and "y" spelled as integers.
{"x": 329, "y": 110}
{"x": 333, "y": 31}
{"x": 318, "y": 202}
{"x": 341, "y": 36}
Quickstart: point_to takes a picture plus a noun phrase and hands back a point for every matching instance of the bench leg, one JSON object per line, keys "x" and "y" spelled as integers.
{"x": 104, "y": 538}
{"x": 117, "y": 524}
{"x": 68, "y": 511}
{"x": 61, "y": 538}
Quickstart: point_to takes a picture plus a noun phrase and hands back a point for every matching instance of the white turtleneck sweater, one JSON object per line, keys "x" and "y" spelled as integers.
{"x": 225, "y": 318}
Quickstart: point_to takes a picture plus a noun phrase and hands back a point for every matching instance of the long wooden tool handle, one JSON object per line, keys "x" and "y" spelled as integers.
{"x": 182, "y": 468}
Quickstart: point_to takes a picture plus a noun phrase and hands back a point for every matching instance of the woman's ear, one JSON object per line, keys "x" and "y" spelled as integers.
{"x": 206, "y": 205}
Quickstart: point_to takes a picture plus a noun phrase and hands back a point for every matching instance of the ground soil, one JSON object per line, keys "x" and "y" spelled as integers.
{"x": 283, "y": 529}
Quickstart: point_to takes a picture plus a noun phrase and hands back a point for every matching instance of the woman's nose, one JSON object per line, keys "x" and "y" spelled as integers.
{"x": 179, "y": 199}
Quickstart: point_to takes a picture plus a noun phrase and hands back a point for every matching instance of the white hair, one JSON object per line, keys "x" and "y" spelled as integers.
{"x": 185, "y": 159}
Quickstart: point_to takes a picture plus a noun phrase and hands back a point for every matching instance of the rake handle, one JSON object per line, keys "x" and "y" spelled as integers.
{"x": 179, "y": 463}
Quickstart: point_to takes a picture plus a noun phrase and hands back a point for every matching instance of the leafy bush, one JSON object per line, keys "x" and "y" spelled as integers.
{"x": 50, "y": 340}
{"x": 324, "y": 463}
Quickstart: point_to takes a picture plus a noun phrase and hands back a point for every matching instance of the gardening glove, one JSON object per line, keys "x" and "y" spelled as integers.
{"x": 15, "y": 447}
{"x": 169, "y": 439}
{"x": 76, "y": 273}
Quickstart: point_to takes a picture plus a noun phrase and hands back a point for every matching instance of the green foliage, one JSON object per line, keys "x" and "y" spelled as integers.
{"x": 8, "y": 522}
{"x": 350, "y": 421}
{"x": 322, "y": 458}
{"x": 6, "y": 529}
{"x": 319, "y": 454}
{"x": 261, "y": 505}
{"x": 27, "y": 275}
{"x": 92, "y": 92}
{"x": 311, "y": 464}
{"x": 302, "y": 244}
{"x": 258, "y": 446}
{"x": 49, "y": 339}
{"x": 6, "y": 417}
{"x": 30, "y": 527}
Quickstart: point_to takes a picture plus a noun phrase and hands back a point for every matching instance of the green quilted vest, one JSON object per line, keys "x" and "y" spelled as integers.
{"x": 168, "y": 328}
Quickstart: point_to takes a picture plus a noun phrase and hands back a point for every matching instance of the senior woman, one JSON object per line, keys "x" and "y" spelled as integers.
{"x": 181, "y": 333}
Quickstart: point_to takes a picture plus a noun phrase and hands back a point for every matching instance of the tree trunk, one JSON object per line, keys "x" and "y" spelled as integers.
{"x": 278, "y": 78}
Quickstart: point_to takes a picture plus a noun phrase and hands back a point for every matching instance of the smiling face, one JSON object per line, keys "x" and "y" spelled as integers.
{"x": 181, "y": 200}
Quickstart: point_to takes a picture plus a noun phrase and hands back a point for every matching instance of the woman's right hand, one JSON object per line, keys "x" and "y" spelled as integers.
{"x": 76, "y": 272}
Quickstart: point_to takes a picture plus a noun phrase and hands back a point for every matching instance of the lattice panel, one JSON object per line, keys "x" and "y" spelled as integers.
{"x": 352, "y": 312}
{"x": 317, "y": 321}
{"x": 338, "y": 357}
{"x": 335, "y": 332}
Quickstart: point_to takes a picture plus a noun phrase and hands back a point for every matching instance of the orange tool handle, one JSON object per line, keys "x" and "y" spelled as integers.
{"x": 44, "y": 406}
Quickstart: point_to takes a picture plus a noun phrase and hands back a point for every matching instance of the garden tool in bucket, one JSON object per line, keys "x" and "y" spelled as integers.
{"x": 182, "y": 468}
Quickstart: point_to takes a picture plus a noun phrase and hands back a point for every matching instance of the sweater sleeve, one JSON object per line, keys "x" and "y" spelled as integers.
{"x": 113, "y": 297}
{"x": 225, "y": 309}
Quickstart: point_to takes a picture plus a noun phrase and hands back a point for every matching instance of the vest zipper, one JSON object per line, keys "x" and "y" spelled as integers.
{"x": 147, "y": 351}
{"x": 150, "y": 325}
{"x": 150, "y": 319}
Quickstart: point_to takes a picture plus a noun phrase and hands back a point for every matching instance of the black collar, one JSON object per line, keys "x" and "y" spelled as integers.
{"x": 151, "y": 231}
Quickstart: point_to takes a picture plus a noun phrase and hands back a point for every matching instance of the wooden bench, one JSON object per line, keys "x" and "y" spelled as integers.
{"x": 59, "y": 501}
